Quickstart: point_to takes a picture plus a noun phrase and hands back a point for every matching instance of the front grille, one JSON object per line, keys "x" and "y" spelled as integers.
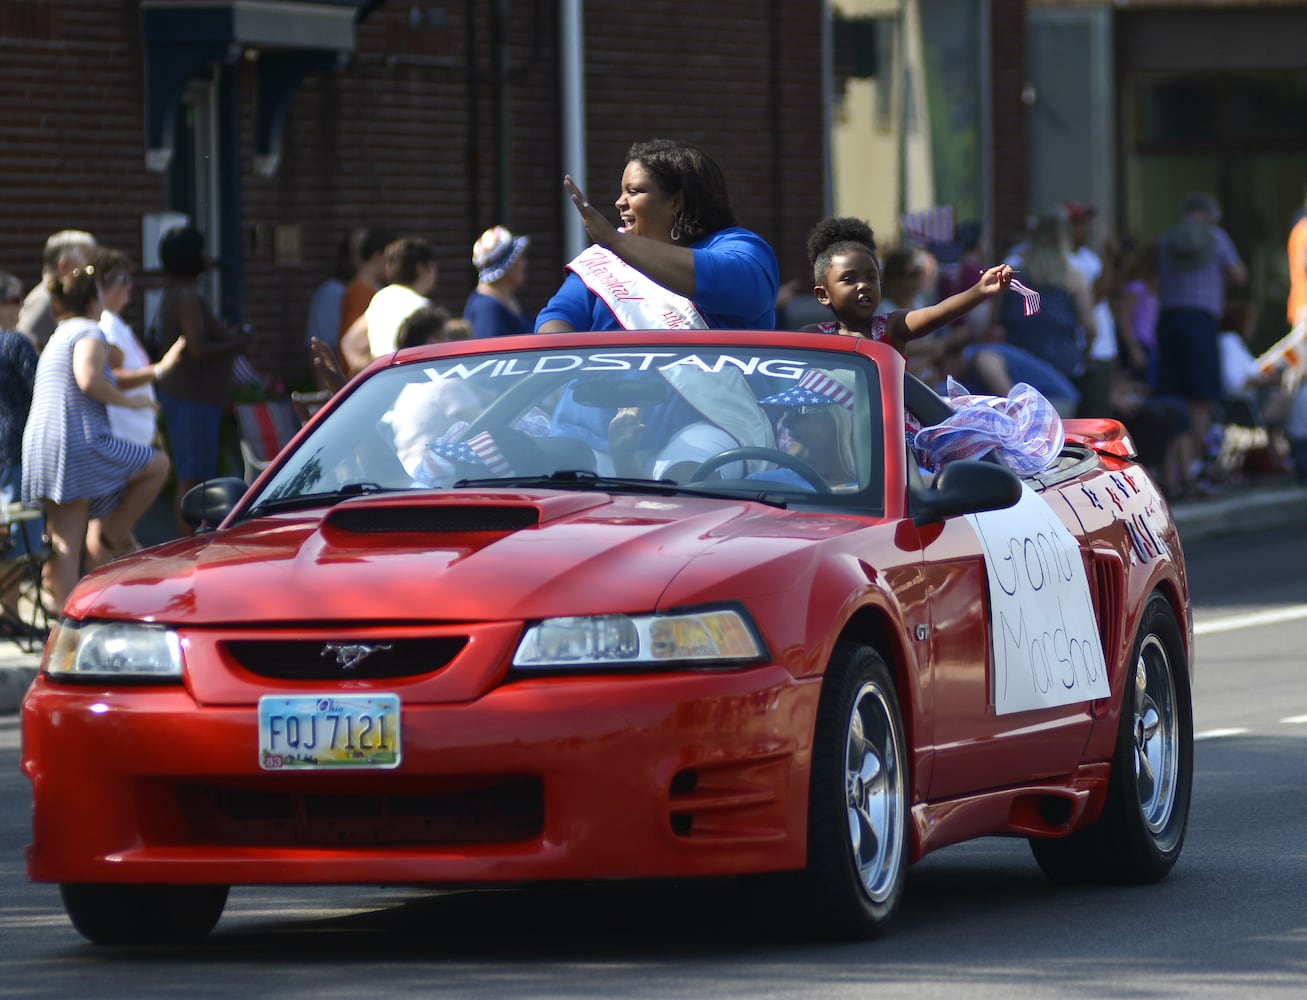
{"x": 504, "y": 812}
{"x": 335, "y": 659}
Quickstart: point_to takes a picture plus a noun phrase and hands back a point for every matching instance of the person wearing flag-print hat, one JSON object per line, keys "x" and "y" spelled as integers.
{"x": 816, "y": 427}
{"x": 493, "y": 309}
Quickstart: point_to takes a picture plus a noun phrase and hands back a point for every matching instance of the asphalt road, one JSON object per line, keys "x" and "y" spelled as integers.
{"x": 979, "y": 920}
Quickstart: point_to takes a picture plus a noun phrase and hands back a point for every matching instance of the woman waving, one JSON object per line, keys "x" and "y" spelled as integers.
{"x": 677, "y": 261}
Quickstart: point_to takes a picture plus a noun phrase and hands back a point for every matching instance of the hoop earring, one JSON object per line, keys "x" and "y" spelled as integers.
{"x": 676, "y": 229}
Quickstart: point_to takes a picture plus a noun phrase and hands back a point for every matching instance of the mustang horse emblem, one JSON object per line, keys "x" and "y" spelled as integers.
{"x": 350, "y": 654}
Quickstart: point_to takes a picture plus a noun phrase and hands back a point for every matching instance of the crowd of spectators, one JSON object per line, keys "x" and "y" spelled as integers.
{"x": 1156, "y": 335}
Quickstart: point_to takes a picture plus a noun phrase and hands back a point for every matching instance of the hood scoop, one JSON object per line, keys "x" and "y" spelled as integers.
{"x": 406, "y": 520}
{"x": 454, "y": 513}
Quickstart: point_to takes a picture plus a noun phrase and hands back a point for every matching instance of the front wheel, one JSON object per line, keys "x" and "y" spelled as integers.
{"x": 143, "y": 914}
{"x": 1139, "y": 835}
{"x": 857, "y": 801}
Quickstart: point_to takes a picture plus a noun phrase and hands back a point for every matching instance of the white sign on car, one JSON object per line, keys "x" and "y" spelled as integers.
{"x": 1045, "y": 648}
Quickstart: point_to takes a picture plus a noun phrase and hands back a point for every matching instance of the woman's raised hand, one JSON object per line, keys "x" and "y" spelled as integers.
{"x": 597, "y": 226}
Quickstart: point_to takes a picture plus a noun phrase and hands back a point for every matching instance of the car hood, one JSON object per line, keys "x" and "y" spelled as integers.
{"x": 461, "y": 557}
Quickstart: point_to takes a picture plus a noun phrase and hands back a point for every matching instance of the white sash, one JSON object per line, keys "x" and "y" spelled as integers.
{"x": 638, "y": 302}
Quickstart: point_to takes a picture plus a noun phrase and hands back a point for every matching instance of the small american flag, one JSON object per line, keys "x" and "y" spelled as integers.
{"x": 1030, "y": 296}
{"x": 480, "y": 449}
{"x": 244, "y": 373}
{"x": 934, "y": 225}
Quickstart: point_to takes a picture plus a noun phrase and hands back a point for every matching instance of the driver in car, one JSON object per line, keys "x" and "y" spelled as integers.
{"x": 818, "y": 436}
{"x": 816, "y": 427}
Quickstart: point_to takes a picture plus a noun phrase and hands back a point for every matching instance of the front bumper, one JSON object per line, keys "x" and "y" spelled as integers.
{"x": 673, "y": 774}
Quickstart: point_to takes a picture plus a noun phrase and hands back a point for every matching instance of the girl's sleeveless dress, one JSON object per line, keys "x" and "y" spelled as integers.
{"x": 69, "y": 453}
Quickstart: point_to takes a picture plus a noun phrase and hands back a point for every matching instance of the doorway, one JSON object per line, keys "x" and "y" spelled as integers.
{"x": 1240, "y": 137}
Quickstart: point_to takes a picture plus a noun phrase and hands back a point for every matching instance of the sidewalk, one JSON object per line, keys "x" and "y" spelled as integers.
{"x": 1251, "y": 508}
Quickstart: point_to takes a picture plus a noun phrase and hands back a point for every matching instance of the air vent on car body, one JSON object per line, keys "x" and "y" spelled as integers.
{"x": 433, "y": 518}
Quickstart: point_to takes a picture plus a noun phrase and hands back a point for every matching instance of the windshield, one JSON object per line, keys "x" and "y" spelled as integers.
{"x": 737, "y": 420}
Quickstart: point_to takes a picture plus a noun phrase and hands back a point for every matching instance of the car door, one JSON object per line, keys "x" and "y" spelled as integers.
{"x": 1013, "y": 650}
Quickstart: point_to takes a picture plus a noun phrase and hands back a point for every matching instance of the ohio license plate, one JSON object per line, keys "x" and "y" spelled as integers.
{"x": 321, "y": 732}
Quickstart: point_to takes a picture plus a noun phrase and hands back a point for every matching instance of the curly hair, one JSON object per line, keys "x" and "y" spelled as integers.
{"x": 833, "y": 235}
{"x": 680, "y": 166}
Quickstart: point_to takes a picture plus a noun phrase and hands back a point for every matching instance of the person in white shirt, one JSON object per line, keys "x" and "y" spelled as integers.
{"x": 412, "y": 272}
{"x": 1241, "y": 376}
{"x": 126, "y": 352}
{"x": 1099, "y": 275}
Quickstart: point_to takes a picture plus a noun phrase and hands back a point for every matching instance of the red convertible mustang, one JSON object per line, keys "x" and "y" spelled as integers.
{"x": 620, "y": 606}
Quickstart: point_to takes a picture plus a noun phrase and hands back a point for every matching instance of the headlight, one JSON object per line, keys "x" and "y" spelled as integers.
{"x": 113, "y": 651}
{"x": 718, "y": 635}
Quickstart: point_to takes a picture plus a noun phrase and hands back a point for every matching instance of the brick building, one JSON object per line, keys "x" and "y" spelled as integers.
{"x": 279, "y": 124}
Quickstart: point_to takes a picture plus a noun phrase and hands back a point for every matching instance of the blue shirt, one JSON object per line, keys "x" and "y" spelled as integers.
{"x": 736, "y": 278}
{"x": 324, "y": 312}
{"x": 489, "y": 317}
{"x": 17, "y": 375}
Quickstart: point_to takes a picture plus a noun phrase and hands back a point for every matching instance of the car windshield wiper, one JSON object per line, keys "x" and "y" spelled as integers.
{"x": 301, "y": 501}
{"x": 580, "y": 479}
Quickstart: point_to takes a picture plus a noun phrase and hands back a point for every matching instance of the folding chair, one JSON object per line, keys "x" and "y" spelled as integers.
{"x": 308, "y": 403}
{"x": 23, "y": 565}
{"x": 1243, "y": 431}
{"x": 265, "y": 428}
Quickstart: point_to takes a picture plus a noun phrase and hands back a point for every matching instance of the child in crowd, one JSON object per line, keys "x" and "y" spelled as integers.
{"x": 1254, "y": 397}
{"x": 847, "y": 280}
{"x": 1240, "y": 373}
{"x": 431, "y": 325}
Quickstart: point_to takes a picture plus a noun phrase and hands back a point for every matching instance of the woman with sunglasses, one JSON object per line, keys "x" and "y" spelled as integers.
{"x": 126, "y": 352}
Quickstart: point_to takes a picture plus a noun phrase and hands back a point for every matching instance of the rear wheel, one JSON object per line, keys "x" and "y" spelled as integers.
{"x": 1139, "y": 836}
{"x": 857, "y": 801}
{"x": 143, "y": 914}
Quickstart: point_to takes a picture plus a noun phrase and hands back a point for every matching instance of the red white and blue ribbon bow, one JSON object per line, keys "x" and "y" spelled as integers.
{"x": 1022, "y": 427}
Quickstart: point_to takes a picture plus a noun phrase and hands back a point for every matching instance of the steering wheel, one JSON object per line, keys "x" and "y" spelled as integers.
{"x": 809, "y": 475}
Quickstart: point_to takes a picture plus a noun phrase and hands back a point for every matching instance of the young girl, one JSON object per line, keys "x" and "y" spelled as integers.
{"x": 843, "y": 255}
{"x": 847, "y": 275}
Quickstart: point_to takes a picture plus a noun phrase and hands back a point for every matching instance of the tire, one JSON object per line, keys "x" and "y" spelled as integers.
{"x": 857, "y": 802}
{"x": 143, "y": 914}
{"x": 1138, "y": 837}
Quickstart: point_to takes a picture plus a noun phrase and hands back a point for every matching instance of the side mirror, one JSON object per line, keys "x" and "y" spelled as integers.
{"x": 206, "y": 505}
{"x": 966, "y": 487}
